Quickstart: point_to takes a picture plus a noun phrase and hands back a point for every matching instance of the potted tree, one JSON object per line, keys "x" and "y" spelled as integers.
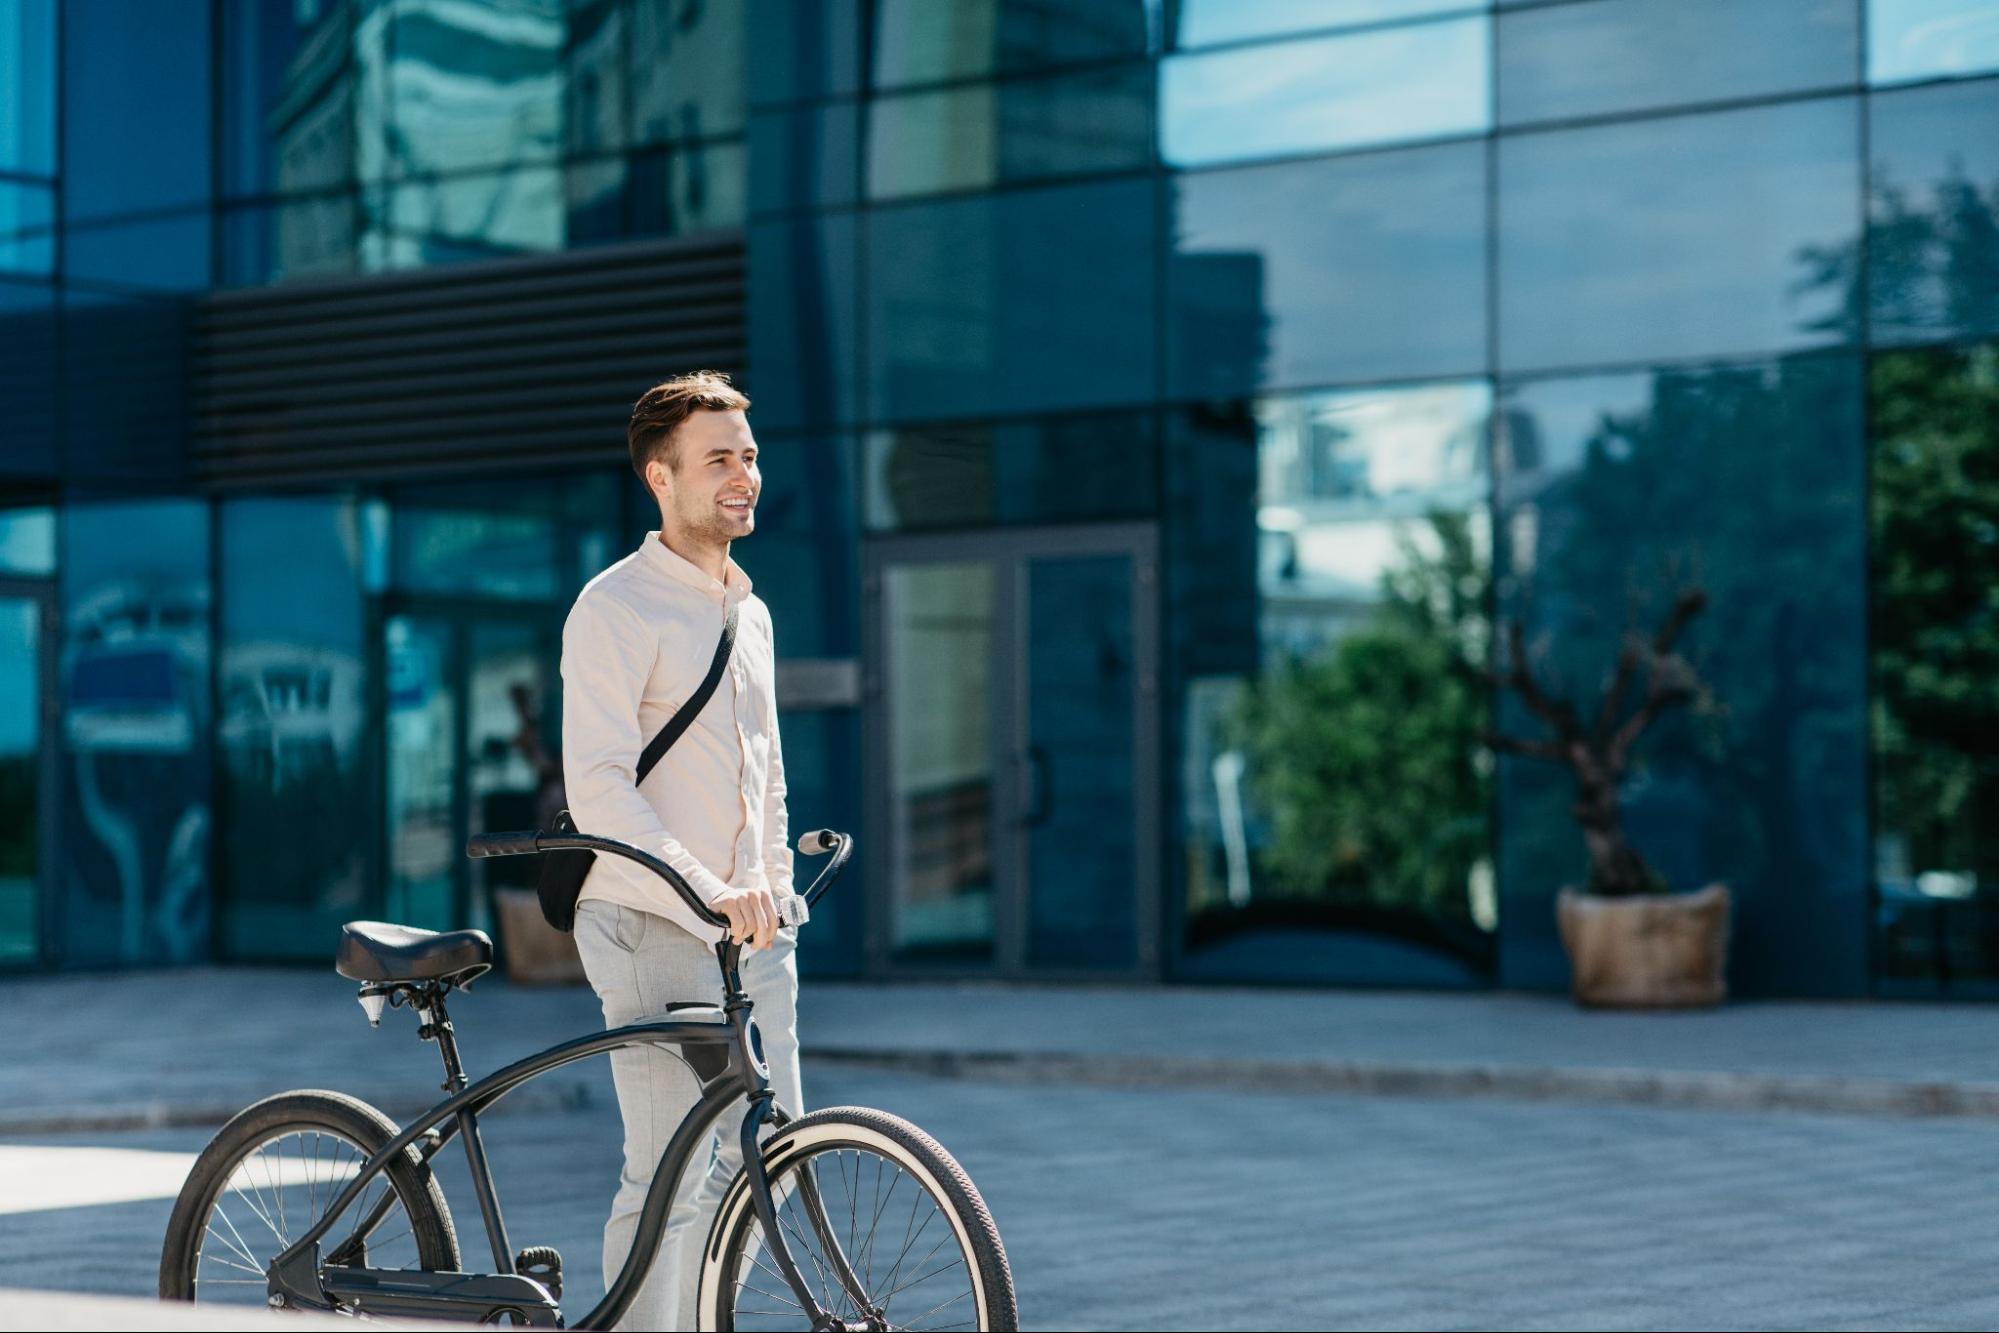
{"x": 1630, "y": 942}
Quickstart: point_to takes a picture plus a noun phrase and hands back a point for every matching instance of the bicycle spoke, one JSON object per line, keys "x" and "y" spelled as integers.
{"x": 935, "y": 1308}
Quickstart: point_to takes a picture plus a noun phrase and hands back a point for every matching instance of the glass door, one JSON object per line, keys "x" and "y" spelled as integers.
{"x": 469, "y": 749}
{"x": 1013, "y": 752}
{"x": 24, "y": 646}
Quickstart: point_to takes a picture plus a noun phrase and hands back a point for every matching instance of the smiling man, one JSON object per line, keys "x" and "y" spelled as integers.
{"x": 638, "y": 643}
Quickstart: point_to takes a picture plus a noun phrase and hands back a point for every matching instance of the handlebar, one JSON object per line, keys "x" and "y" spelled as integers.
{"x": 530, "y": 841}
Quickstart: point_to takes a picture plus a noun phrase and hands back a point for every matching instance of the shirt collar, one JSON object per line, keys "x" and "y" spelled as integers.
{"x": 664, "y": 559}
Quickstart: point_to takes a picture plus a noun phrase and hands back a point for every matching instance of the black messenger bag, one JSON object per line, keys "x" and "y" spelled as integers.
{"x": 562, "y": 871}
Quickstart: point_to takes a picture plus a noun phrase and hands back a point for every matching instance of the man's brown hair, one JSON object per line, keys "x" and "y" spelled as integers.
{"x": 660, "y": 410}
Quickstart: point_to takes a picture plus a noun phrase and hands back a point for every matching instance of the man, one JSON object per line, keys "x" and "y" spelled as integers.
{"x": 637, "y": 643}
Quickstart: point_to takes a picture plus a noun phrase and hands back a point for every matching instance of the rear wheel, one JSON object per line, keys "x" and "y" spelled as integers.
{"x": 866, "y": 1194}
{"x": 272, "y": 1172}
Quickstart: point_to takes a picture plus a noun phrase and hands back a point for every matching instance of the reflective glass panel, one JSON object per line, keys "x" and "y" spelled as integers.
{"x": 971, "y": 137}
{"x": 135, "y": 108}
{"x": 28, "y": 329}
{"x": 535, "y": 539}
{"x": 27, "y": 541}
{"x": 596, "y": 87}
{"x": 803, "y": 554}
{"x": 917, "y": 41}
{"x": 27, "y": 228}
{"x": 135, "y": 437}
{"x": 424, "y": 683}
{"x": 1635, "y": 55}
{"x": 20, "y": 778}
{"x": 1013, "y": 302}
{"x": 1691, "y": 236}
{"x": 1081, "y": 684}
{"x": 306, "y": 237}
{"x": 1920, "y": 39}
{"x": 288, "y": 115}
{"x": 1935, "y": 562}
{"x": 804, "y": 343}
{"x": 460, "y": 218}
{"x": 804, "y": 51}
{"x": 473, "y": 86}
{"x": 134, "y": 693}
{"x": 1300, "y": 273}
{"x": 1204, "y": 22}
{"x": 689, "y": 62}
{"x": 27, "y": 86}
{"x": 1619, "y": 491}
{"x": 1932, "y": 266}
{"x": 513, "y": 761}
{"x": 1077, "y": 467}
{"x": 299, "y": 857}
{"x": 1420, "y": 82}
{"x": 1329, "y": 584}
{"x": 938, "y": 623}
{"x": 688, "y": 188}
{"x": 161, "y": 254}
{"x": 806, "y": 157}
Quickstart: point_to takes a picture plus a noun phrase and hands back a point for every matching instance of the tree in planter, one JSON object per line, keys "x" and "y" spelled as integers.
{"x": 1598, "y": 753}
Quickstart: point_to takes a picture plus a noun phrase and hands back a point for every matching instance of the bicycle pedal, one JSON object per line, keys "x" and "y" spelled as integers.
{"x": 544, "y": 1264}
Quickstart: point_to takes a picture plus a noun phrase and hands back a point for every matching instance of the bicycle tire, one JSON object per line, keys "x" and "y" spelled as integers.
{"x": 860, "y": 1130}
{"x": 333, "y": 1114}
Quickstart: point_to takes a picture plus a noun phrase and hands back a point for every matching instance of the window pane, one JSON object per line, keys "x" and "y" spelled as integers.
{"x": 1013, "y": 302}
{"x": 124, "y": 388}
{"x": 1080, "y": 467}
{"x": 1305, "y": 273}
{"x": 1418, "y": 82}
{"x": 474, "y": 86}
{"x": 970, "y": 138}
{"x": 1615, "y": 493}
{"x": 688, "y": 65}
{"x": 1633, "y": 55}
{"x": 1935, "y": 417}
{"x": 1202, "y": 22}
{"x": 1692, "y": 236}
{"x": 29, "y": 327}
{"x": 918, "y": 41}
{"x": 136, "y": 815}
{"x": 688, "y": 188}
{"x": 804, "y": 553}
{"x": 135, "y": 108}
{"x": 165, "y": 254}
{"x": 310, "y": 236}
{"x": 1920, "y": 39}
{"x": 27, "y": 229}
{"x": 1333, "y": 795}
{"x": 293, "y": 701}
{"x": 533, "y": 539}
{"x": 805, "y": 158}
{"x": 804, "y": 348}
{"x": 288, "y": 97}
{"x": 460, "y": 218}
{"x": 1933, "y": 271}
{"x": 27, "y": 86}
{"x": 27, "y": 541}
{"x": 594, "y": 77}
{"x": 804, "y": 51}
{"x": 21, "y": 852}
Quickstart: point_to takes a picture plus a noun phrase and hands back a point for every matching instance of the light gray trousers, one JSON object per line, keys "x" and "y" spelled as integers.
{"x": 639, "y": 963}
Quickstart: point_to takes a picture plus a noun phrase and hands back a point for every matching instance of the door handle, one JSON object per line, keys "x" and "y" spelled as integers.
{"x": 1040, "y": 800}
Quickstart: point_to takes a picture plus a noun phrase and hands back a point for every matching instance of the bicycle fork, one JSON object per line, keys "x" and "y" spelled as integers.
{"x": 765, "y": 1204}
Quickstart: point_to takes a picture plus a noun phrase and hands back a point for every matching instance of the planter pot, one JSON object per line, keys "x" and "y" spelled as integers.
{"x": 1654, "y": 951}
{"x": 536, "y": 952}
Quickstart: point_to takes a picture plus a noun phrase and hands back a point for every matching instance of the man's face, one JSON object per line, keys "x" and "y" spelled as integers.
{"x": 712, "y": 492}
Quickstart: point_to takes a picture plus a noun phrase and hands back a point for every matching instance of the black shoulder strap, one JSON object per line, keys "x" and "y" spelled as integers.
{"x": 684, "y": 718}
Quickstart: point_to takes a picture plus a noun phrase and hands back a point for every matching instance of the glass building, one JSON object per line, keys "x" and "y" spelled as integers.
{"x": 1162, "y": 401}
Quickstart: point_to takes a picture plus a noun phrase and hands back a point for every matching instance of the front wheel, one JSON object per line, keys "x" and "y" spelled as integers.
{"x": 883, "y": 1224}
{"x": 271, "y": 1172}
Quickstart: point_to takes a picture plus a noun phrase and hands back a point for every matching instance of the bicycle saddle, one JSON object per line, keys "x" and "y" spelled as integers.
{"x": 378, "y": 951}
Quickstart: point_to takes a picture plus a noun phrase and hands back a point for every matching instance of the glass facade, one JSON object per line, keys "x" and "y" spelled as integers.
{"x": 1162, "y": 403}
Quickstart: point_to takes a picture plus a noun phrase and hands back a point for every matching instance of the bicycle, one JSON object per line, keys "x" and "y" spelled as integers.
{"x": 295, "y": 1164}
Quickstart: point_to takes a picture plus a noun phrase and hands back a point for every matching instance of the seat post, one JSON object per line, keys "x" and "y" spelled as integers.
{"x": 437, "y": 1027}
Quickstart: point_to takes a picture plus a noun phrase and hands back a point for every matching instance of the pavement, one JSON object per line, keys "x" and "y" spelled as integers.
{"x": 190, "y": 1047}
{"x": 1172, "y": 1157}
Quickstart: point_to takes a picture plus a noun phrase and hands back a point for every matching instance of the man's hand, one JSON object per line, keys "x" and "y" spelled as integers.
{"x": 752, "y": 916}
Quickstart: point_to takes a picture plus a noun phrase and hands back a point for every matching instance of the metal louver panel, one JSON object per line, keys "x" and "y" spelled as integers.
{"x": 464, "y": 368}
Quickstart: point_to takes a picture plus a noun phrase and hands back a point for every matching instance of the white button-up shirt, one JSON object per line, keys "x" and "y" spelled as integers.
{"x": 637, "y": 643}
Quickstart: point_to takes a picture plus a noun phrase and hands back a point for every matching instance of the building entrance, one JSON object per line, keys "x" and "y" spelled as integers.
{"x": 1012, "y": 752}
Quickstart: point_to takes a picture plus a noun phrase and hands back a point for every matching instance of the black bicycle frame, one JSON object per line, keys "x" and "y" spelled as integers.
{"x": 735, "y": 1070}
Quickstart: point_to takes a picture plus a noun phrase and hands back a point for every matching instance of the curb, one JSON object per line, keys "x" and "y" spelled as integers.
{"x": 1683, "y": 1089}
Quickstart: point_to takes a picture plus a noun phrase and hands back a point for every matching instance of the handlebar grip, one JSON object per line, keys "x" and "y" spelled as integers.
{"x": 504, "y": 844}
{"x": 818, "y": 842}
